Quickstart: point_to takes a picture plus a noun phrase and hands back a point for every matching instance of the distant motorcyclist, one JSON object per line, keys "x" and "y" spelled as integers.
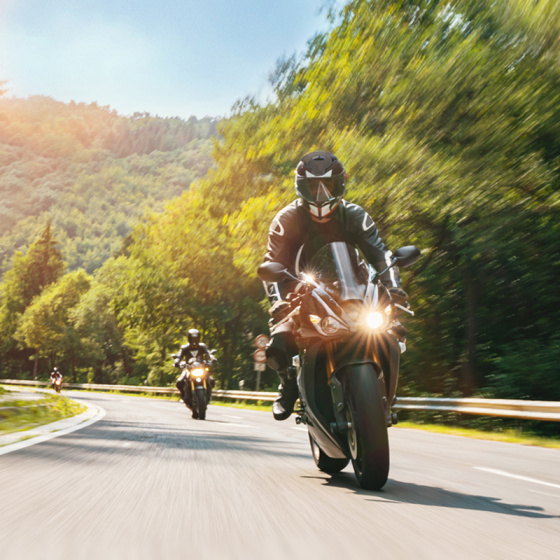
{"x": 55, "y": 374}
{"x": 319, "y": 216}
{"x": 196, "y": 351}
{"x": 54, "y": 377}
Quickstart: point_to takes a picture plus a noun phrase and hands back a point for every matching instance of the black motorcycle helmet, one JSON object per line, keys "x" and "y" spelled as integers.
{"x": 193, "y": 338}
{"x": 320, "y": 182}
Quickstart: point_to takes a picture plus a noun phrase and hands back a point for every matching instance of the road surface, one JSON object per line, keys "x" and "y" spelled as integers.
{"x": 147, "y": 481}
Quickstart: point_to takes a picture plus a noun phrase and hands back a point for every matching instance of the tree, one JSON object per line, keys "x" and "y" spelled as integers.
{"x": 45, "y": 326}
{"x": 31, "y": 274}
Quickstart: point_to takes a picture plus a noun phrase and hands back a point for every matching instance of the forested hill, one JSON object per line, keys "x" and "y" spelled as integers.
{"x": 93, "y": 172}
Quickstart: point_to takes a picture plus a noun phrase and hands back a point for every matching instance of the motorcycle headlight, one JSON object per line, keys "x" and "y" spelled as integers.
{"x": 375, "y": 320}
{"x": 197, "y": 373}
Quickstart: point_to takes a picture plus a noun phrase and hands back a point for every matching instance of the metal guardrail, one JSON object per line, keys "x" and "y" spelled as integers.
{"x": 505, "y": 408}
{"x": 226, "y": 394}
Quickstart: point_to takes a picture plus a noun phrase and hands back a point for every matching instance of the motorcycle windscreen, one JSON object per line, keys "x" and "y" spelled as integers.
{"x": 337, "y": 265}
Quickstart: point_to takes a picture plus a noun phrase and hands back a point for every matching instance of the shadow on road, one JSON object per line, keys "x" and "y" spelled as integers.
{"x": 410, "y": 493}
{"x": 124, "y": 438}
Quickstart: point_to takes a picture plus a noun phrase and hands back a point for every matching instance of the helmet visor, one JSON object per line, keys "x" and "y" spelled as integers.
{"x": 321, "y": 189}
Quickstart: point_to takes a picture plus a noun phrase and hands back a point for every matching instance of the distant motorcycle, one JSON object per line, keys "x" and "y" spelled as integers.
{"x": 57, "y": 382}
{"x": 197, "y": 375}
{"x": 350, "y": 342}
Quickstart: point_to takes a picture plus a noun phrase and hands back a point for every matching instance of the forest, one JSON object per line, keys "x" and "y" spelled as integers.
{"x": 90, "y": 171}
{"x": 446, "y": 115}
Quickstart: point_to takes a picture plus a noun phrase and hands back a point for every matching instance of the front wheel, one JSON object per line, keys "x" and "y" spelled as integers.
{"x": 201, "y": 402}
{"x": 367, "y": 427}
{"x": 324, "y": 462}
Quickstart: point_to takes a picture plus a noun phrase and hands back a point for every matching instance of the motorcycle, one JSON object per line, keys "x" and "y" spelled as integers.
{"x": 197, "y": 375}
{"x": 57, "y": 383}
{"x": 350, "y": 340}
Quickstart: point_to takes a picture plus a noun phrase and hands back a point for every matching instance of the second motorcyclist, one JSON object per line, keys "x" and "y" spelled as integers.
{"x": 197, "y": 351}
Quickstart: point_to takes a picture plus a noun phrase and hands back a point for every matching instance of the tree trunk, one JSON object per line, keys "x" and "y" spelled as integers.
{"x": 469, "y": 369}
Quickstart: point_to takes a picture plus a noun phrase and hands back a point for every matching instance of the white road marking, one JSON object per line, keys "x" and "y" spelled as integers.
{"x": 518, "y": 477}
{"x": 299, "y": 428}
{"x": 545, "y": 494}
{"x": 93, "y": 413}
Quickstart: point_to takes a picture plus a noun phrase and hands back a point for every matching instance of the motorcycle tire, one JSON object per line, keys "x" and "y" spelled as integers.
{"x": 368, "y": 440}
{"x": 201, "y": 401}
{"x": 323, "y": 461}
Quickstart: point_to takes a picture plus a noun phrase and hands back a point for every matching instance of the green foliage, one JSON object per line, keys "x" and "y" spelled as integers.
{"x": 91, "y": 171}
{"x": 447, "y": 116}
{"x": 45, "y": 325}
{"x": 31, "y": 274}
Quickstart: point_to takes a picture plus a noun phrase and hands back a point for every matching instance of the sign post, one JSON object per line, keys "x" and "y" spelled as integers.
{"x": 259, "y": 356}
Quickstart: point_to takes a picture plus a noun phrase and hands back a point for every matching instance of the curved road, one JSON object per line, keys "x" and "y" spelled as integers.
{"x": 148, "y": 482}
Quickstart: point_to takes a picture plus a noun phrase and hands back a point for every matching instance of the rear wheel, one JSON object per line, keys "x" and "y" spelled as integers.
{"x": 324, "y": 462}
{"x": 367, "y": 432}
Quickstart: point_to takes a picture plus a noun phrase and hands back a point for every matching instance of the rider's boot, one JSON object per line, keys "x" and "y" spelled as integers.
{"x": 211, "y": 385}
{"x": 284, "y": 405}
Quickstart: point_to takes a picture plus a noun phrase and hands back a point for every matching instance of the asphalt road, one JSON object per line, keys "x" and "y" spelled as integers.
{"x": 148, "y": 482}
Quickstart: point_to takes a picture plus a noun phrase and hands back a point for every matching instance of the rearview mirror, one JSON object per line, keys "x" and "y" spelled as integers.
{"x": 406, "y": 256}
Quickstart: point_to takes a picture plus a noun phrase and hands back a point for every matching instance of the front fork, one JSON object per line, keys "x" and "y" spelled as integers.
{"x": 336, "y": 392}
{"x": 341, "y": 423}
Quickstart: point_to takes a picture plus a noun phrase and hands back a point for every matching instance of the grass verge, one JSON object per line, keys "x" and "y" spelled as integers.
{"x": 27, "y": 414}
{"x": 508, "y": 435}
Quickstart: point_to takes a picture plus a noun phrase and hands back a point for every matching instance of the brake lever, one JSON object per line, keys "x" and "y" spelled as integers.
{"x": 403, "y": 308}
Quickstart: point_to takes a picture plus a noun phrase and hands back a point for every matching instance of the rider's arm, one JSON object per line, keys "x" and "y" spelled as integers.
{"x": 281, "y": 248}
{"x": 183, "y": 352}
{"x": 371, "y": 245}
{"x": 206, "y": 353}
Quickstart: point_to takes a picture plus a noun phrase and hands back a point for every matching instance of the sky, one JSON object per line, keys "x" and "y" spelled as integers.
{"x": 168, "y": 58}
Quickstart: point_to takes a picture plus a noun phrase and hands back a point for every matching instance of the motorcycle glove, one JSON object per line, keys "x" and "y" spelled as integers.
{"x": 279, "y": 310}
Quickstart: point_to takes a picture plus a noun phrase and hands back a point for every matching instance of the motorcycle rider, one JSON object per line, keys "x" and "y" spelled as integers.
{"x": 55, "y": 374}
{"x": 193, "y": 350}
{"x": 319, "y": 216}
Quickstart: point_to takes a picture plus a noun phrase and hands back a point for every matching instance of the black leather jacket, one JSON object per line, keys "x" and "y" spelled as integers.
{"x": 294, "y": 237}
{"x": 200, "y": 354}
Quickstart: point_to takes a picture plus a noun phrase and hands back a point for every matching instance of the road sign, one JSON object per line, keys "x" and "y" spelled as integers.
{"x": 261, "y": 341}
{"x": 259, "y": 367}
{"x": 259, "y": 356}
